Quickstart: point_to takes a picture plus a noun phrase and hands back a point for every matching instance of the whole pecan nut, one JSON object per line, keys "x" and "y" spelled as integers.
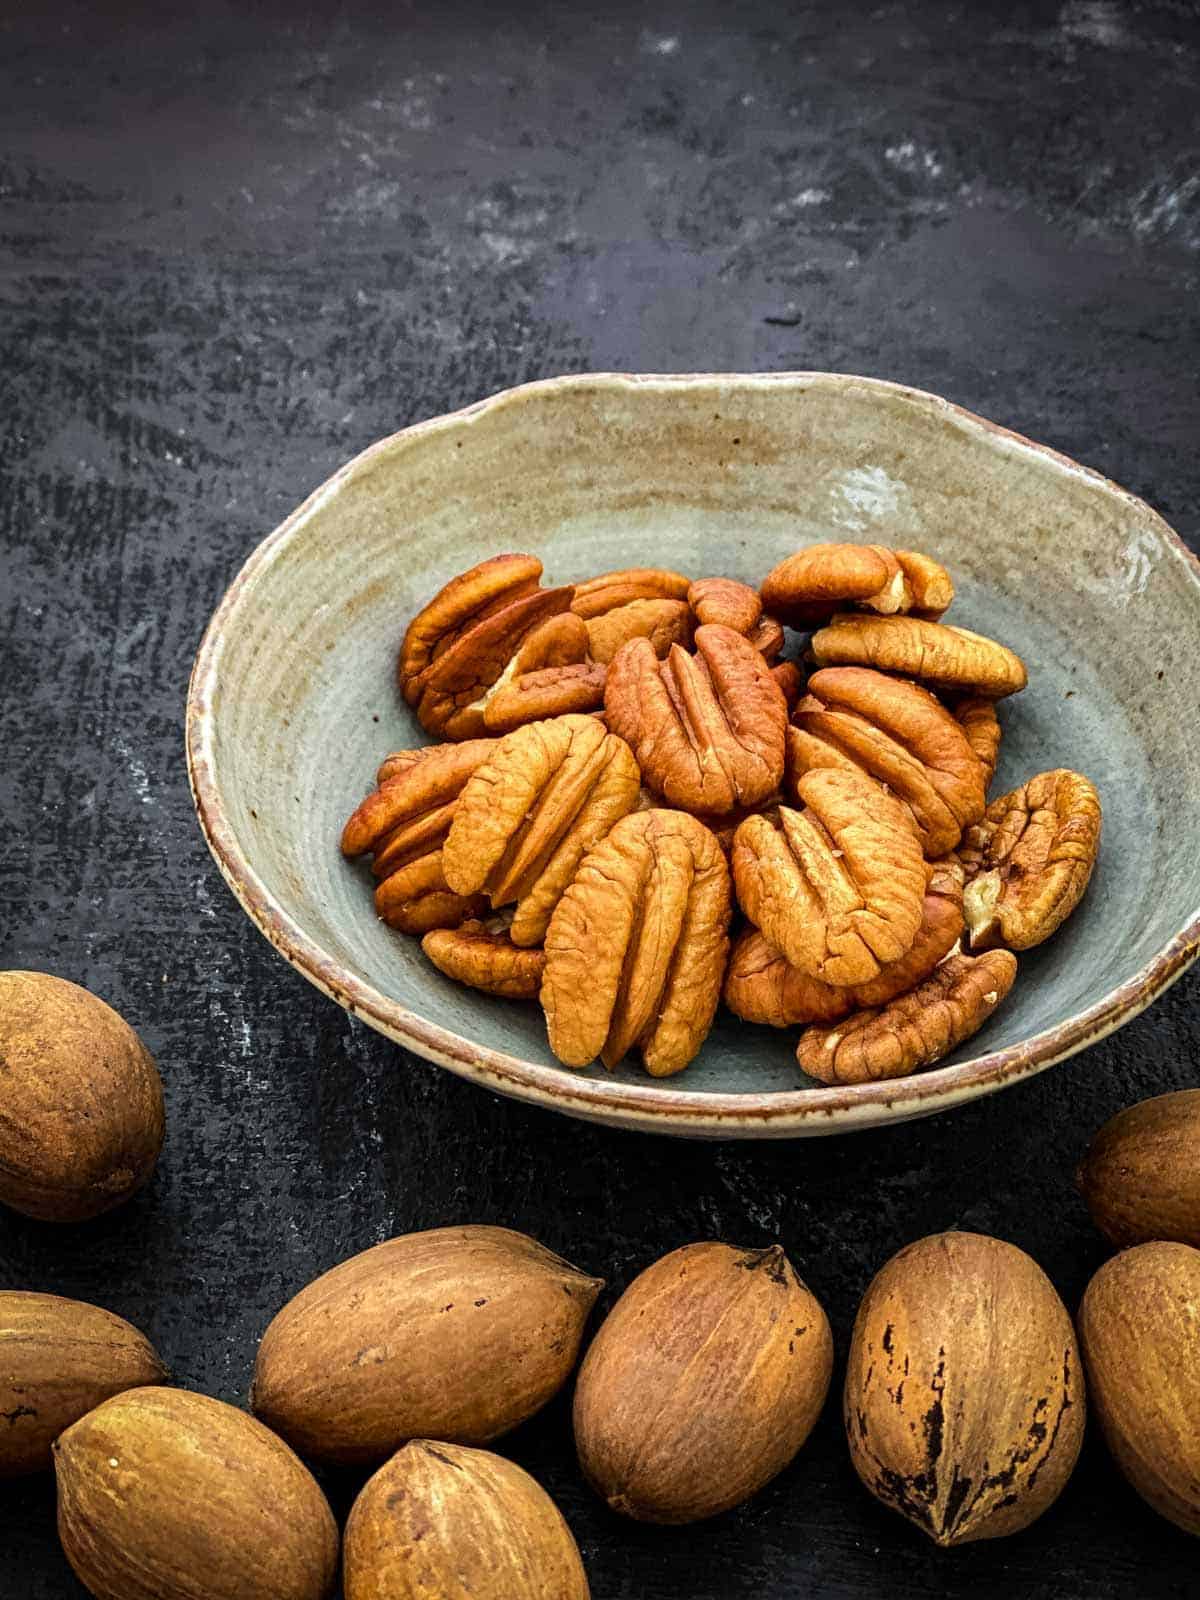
{"x": 708, "y": 730}
{"x": 637, "y": 945}
{"x": 459, "y": 644}
{"x": 760, "y": 986}
{"x": 662, "y": 622}
{"x": 735, "y": 605}
{"x": 978, "y": 720}
{"x": 915, "y": 1029}
{"x": 899, "y": 734}
{"x": 839, "y": 887}
{"x": 484, "y": 957}
{"x": 532, "y": 810}
{"x": 612, "y": 589}
{"x": 932, "y": 652}
{"x": 1030, "y": 859}
{"x": 404, "y": 823}
{"x": 813, "y": 583}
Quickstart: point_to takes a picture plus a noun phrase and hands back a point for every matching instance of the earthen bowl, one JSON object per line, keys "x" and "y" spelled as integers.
{"x": 293, "y": 702}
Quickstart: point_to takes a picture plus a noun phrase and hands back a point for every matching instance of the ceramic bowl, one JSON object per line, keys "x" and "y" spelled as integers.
{"x": 293, "y": 701}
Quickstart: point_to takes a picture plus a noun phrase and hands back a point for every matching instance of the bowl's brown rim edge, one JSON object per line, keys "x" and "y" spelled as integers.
{"x": 773, "y": 1113}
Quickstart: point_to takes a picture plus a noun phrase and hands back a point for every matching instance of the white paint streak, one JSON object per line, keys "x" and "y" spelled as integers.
{"x": 910, "y": 157}
{"x": 1139, "y": 558}
{"x": 663, "y": 45}
{"x": 139, "y": 778}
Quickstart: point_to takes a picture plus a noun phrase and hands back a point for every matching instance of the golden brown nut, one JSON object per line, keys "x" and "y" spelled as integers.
{"x": 839, "y": 887}
{"x": 529, "y": 814}
{"x": 663, "y": 622}
{"x": 636, "y": 947}
{"x": 760, "y": 986}
{"x": 725, "y": 828}
{"x": 708, "y": 730}
{"x": 725, "y": 600}
{"x": 560, "y": 641}
{"x": 899, "y": 734}
{"x": 814, "y": 583}
{"x": 914, "y": 1030}
{"x": 613, "y": 589}
{"x": 979, "y": 722}
{"x": 484, "y": 957}
{"x": 932, "y": 652}
{"x": 549, "y": 692}
{"x": 458, "y": 645}
{"x": 404, "y": 822}
{"x": 790, "y": 680}
{"x": 767, "y": 638}
{"x": 1030, "y": 859}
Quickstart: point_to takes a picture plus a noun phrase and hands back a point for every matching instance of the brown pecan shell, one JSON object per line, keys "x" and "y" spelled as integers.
{"x": 1030, "y": 859}
{"x": 915, "y": 1029}
{"x": 637, "y": 945}
{"x": 485, "y": 958}
{"x": 532, "y": 810}
{"x": 708, "y": 729}
{"x": 839, "y": 887}
{"x": 932, "y": 652}
{"x": 901, "y": 735}
{"x": 760, "y": 986}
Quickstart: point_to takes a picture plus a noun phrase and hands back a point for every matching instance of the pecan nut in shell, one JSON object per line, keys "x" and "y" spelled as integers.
{"x": 530, "y": 812}
{"x": 899, "y": 734}
{"x": 484, "y": 957}
{"x": 636, "y": 948}
{"x": 815, "y": 582}
{"x": 914, "y": 1030}
{"x": 708, "y": 730}
{"x": 837, "y": 888}
{"x": 1030, "y": 859}
{"x": 459, "y": 644}
{"x": 934, "y": 653}
{"x": 760, "y": 986}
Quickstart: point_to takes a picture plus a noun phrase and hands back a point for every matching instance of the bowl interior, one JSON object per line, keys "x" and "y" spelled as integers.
{"x": 717, "y": 476}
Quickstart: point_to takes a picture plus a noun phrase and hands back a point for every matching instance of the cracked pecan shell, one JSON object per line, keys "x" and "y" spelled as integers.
{"x": 1030, "y": 859}
{"x": 708, "y": 730}
{"x": 662, "y": 622}
{"x": 760, "y": 986}
{"x": 901, "y": 735}
{"x": 735, "y": 605}
{"x": 530, "y": 812}
{"x": 458, "y": 645}
{"x": 915, "y": 1029}
{"x": 484, "y": 957}
{"x": 813, "y": 583}
{"x": 613, "y": 589}
{"x": 839, "y": 887}
{"x": 978, "y": 720}
{"x": 932, "y": 652}
{"x": 636, "y": 948}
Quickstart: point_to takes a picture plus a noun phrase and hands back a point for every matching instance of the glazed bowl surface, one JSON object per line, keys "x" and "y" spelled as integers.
{"x": 293, "y": 701}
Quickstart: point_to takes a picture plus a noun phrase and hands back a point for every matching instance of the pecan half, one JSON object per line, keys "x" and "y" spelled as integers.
{"x": 839, "y": 887}
{"x": 735, "y": 605}
{"x": 484, "y": 957}
{"x": 767, "y": 638}
{"x": 613, "y": 589}
{"x": 814, "y": 583}
{"x": 637, "y": 945}
{"x": 708, "y": 729}
{"x": 532, "y": 810}
{"x": 404, "y": 823}
{"x": 1029, "y": 861}
{"x": 458, "y": 645}
{"x": 981, "y": 725}
{"x": 550, "y": 692}
{"x": 899, "y": 734}
{"x": 662, "y": 622}
{"x": 760, "y": 986}
{"x": 790, "y": 680}
{"x": 914, "y": 1030}
{"x": 933, "y": 652}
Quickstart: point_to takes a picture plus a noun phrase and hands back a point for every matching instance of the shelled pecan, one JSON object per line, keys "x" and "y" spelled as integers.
{"x": 932, "y": 652}
{"x": 823, "y": 578}
{"x": 481, "y": 955}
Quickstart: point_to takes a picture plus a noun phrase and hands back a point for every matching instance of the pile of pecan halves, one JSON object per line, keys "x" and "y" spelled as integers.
{"x": 639, "y": 808}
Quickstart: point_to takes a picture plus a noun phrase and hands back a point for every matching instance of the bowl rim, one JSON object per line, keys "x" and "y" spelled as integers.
{"x": 648, "y": 1105}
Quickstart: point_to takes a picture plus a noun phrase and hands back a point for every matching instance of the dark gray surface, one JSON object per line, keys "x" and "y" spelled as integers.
{"x": 235, "y": 250}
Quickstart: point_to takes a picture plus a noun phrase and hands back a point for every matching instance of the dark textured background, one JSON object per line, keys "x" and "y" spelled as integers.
{"x": 237, "y": 246}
